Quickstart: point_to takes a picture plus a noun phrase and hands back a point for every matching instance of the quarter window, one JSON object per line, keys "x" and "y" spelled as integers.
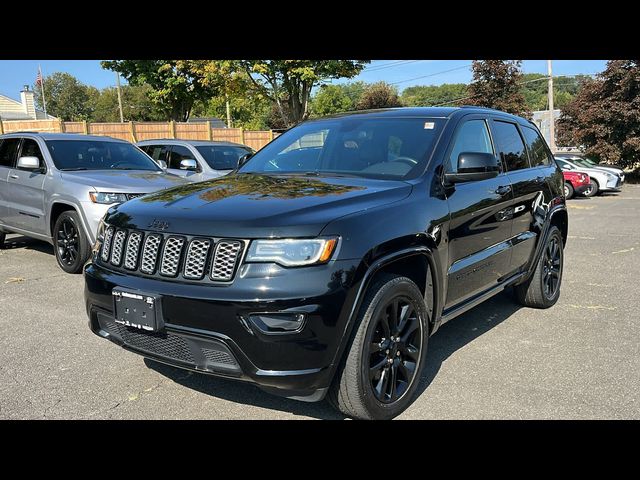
{"x": 538, "y": 153}
{"x": 510, "y": 145}
{"x": 473, "y": 136}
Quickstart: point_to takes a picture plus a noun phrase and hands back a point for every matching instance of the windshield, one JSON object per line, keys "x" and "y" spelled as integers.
{"x": 222, "y": 157}
{"x": 393, "y": 148}
{"x": 98, "y": 155}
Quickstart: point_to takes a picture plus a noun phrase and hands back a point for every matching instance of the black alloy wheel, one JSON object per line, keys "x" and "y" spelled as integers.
{"x": 552, "y": 268}
{"x": 67, "y": 242}
{"x": 394, "y": 350}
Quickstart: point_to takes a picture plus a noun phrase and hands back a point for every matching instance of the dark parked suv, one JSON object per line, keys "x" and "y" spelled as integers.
{"x": 324, "y": 263}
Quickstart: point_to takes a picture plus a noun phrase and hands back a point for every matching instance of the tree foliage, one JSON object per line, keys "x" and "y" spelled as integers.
{"x": 288, "y": 83}
{"x": 136, "y": 105}
{"x": 379, "y": 95}
{"x": 175, "y": 85}
{"x": 67, "y": 98}
{"x": 604, "y": 116}
{"x": 496, "y": 84}
{"x": 430, "y": 95}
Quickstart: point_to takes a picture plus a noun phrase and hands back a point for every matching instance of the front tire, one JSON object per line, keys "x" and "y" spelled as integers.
{"x": 542, "y": 290}
{"x": 592, "y": 189}
{"x": 568, "y": 190}
{"x": 379, "y": 376}
{"x": 70, "y": 244}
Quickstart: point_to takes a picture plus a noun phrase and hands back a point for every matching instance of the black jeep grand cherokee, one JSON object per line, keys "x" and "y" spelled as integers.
{"x": 325, "y": 262}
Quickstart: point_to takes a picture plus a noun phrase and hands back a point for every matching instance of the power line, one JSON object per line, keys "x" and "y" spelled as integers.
{"x": 392, "y": 65}
{"x": 431, "y": 74}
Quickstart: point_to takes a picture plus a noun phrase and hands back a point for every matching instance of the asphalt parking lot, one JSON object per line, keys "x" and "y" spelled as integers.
{"x": 577, "y": 360}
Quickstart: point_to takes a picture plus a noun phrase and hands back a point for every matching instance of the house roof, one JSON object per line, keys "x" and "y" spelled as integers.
{"x": 9, "y": 115}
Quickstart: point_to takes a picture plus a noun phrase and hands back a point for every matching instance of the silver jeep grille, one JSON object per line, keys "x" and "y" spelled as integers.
{"x": 133, "y": 248}
{"x": 150, "y": 253}
{"x": 171, "y": 256}
{"x": 225, "y": 259}
{"x": 118, "y": 243}
{"x": 167, "y": 255}
{"x": 106, "y": 245}
{"x": 196, "y": 258}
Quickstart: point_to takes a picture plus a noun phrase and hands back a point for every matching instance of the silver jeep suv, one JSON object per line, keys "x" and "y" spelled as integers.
{"x": 57, "y": 186}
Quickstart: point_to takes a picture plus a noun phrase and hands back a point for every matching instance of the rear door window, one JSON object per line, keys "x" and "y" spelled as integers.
{"x": 539, "y": 155}
{"x": 510, "y": 145}
{"x": 8, "y": 150}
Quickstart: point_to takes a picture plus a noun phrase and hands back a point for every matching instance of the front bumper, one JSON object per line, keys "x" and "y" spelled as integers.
{"x": 580, "y": 189}
{"x": 614, "y": 185}
{"x": 206, "y": 328}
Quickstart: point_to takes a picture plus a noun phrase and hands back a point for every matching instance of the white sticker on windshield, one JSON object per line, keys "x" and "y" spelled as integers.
{"x": 429, "y": 125}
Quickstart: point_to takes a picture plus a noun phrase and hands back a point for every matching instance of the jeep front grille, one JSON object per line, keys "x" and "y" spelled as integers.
{"x": 166, "y": 255}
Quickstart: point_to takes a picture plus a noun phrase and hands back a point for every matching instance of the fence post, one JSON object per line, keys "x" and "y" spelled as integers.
{"x": 270, "y": 135}
{"x": 85, "y": 127}
{"x": 133, "y": 132}
{"x": 209, "y": 135}
{"x": 172, "y": 128}
{"x": 241, "y": 135}
{"x": 1, "y": 127}
{"x": 61, "y": 125}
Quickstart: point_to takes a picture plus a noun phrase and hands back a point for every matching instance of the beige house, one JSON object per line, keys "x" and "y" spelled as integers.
{"x": 11, "y": 109}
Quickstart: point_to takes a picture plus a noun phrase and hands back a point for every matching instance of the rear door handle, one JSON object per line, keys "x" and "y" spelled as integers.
{"x": 503, "y": 189}
{"x": 15, "y": 177}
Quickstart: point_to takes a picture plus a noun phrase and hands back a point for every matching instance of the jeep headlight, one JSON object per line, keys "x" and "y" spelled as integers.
{"x": 292, "y": 252}
{"x": 107, "y": 197}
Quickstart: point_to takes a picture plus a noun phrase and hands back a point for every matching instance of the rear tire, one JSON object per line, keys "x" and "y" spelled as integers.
{"x": 568, "y": 190}
{"x": 379, "y": 376}
{"x": 542, "y": 290}
{"x": 70, "y": 244}
{"x": 592, "y": 189}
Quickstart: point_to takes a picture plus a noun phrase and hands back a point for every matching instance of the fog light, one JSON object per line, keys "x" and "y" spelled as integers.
{"x": 277, "y": 323}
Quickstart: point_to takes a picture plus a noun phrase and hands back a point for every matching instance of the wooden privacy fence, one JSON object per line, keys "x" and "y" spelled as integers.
{"x": 137, "y": 131}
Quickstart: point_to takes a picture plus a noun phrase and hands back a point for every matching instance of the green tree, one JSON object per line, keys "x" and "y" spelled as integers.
{"x": 136, "y": 105}
{"x": 330, "y": 99}
{"x": 379, "y": 95}
{"x": 175, "y": 85}
{"x": 67, "y": 98}
{"x": 604, "y": 116}
{"x": 496, "y": 84}
{"x": 430, "y": 95}
{"x": 288, "y": 83}
{"x": 250, "y": 111}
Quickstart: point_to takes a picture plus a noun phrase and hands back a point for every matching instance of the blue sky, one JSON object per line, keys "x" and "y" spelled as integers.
{"x": 16, "y": 73}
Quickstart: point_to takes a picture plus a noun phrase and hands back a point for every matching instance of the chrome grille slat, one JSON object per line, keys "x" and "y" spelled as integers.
{"x": 106, "y": 245}
{"x": 118, "y": 244}
{"x": 150, "y": 253}
{"x": 196, "y": 259}
{"x": 171, "y": 256}
{"x": 225, "y": 259}
{"x": 131, "y": 253}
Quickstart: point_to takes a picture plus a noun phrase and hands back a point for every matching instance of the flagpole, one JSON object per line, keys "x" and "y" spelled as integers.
{"x": 44, "y": 101}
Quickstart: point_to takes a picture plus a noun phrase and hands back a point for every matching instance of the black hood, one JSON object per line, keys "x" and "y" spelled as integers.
{"x": 251, "y": 205}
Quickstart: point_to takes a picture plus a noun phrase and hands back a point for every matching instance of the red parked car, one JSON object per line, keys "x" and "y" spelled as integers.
{"x": 575, "y": 182}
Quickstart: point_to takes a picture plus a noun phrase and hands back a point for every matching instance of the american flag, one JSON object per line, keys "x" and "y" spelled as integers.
{"x": 39, "y": 77}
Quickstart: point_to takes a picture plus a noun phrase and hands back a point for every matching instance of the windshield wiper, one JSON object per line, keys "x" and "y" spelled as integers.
{"x": 73, "y": 169}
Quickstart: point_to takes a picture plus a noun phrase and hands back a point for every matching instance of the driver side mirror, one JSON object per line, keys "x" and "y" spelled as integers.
{"x": 473, "y": 166}
{"x": 29, "y": 163}
{"x": 163, "y": 164}
{"x": 188, "y": 164}
{"x": 244, "y": 159}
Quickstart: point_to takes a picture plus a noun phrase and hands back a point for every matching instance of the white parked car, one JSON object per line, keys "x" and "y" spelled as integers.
{"x": 601, "y": 179}
{"x": 196, "y": 160}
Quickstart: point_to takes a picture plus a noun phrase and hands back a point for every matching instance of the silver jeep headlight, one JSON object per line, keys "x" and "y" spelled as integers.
{"x": 107, "y": 198}
{"x": 292, "y": 252}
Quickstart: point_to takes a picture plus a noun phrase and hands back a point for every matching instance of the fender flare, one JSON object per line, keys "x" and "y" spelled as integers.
{"x": 365, "y": 283}
{"x": 75, "y": 207}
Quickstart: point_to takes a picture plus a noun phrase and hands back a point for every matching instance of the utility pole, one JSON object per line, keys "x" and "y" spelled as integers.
{"x": 226, "y": 97}
{"x": 552, "y": 126}
{"x": 119, "y": 97}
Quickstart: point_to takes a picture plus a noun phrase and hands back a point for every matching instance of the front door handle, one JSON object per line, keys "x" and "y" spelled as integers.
{"x": 15, "y": 177}
{"x": 503, "y": 189}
